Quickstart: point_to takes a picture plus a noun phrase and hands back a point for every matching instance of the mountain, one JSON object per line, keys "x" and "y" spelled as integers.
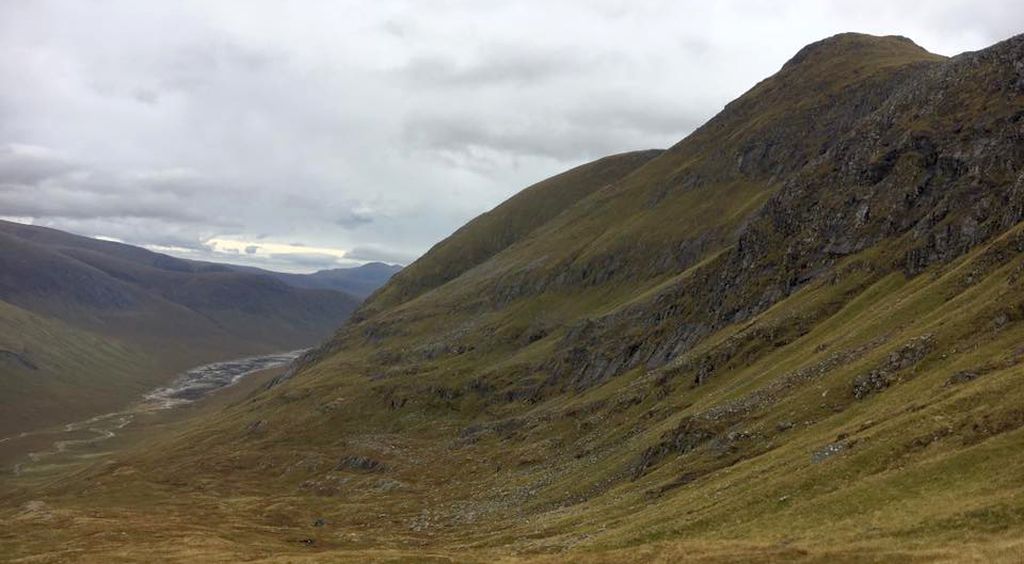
{"x": 794, "y": 335}
{"x": 496, "y": 230}
{"x": 359, "y": 281}
{"x": 60, "y": 291}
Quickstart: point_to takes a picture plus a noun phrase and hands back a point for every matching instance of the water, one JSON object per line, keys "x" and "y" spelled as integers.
{"x": 200, "y": 381}
{"x": 192, "y": 385}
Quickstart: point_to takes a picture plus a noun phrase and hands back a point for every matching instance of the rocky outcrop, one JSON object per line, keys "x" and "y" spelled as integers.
{"x": 360, "y": 464}
{"x": 883, "y": 376}
{"x": 899, "y": 165}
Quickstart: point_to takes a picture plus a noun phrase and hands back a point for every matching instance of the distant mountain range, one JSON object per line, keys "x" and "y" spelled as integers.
{"x": 142, "y": 315}
{"x": 359, "y": 281}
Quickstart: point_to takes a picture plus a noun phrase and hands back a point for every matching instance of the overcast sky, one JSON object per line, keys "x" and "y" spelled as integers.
{"x": 303, "y": 135}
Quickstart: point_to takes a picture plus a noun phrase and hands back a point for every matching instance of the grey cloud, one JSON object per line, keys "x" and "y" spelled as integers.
{"x": 640, "y": 119}
{"x": 35, "y": 201}
{"x": 348, "y": 214}
{"x": 252, "y": 249}
{"x": 30, "y": 164}
{"x": 354, "y": 218}
{"x": 139, "y": 231}
{"x": 146, "y": 96}
{"x": 500, "y": 66}
{"x": 576, "y": 135}
{"x": 396, "y": 28}
{"x": 36, "y": 182}
{"x": 378, "y": 254}
{"x": 180, "y": 181}
{"x": 199, "y": 66}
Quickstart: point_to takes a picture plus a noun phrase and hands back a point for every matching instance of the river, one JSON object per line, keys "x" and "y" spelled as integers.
{"x": 190, "y": 386}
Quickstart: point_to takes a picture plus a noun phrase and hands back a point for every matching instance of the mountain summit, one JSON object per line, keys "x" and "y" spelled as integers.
{"x": 795, "y": 334}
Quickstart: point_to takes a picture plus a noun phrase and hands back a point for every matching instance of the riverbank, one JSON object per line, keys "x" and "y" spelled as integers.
{"x": 206, "y": 387}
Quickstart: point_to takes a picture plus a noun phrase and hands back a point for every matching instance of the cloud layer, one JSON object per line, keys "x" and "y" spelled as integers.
{"x": 369, "y": 131}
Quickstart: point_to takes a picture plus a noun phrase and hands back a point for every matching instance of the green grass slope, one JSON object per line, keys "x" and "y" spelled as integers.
{"x": 515, "y": 219}
{"x": 794, "y": 336}
{"x": 50, "y": 368}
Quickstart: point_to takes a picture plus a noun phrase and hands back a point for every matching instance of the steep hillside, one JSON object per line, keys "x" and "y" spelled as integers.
{"x": 50, "y": 371}
{"x": 796, "y": 334}
{"x": 67, "y": 293}
{"x": 496, "y": 230}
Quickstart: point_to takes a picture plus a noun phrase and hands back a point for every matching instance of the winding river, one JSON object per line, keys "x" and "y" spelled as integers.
{"x": 190, "y": 386}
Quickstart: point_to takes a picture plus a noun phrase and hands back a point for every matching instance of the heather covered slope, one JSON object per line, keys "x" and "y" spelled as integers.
{"x": 795, "y": 334}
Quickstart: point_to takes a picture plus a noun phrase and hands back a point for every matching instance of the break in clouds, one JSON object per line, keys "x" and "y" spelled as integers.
{"x": 308, "y": 135}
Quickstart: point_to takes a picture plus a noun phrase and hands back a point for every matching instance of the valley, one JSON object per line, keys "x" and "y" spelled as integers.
{"x": 87, "y": 325}
{"x": 84, "y": 440}
{"x": 795, "y": 335}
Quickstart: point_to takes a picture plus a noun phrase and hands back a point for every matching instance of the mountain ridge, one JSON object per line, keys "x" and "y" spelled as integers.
{"x": 359, "y": 281}
{"x": 517, "y": 217}
{"x": 793, "y": 335}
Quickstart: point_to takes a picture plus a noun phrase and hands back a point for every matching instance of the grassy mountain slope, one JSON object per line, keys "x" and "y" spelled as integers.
{"x": 510, "y": 222}
{"x": 794, "y": 335}
{"x": 50, "y": 368}
{"x": 146, "y": 316}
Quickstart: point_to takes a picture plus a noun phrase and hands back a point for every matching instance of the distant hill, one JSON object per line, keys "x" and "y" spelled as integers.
{"x": 359, "y": 281}
{"x": 165, "y": 313}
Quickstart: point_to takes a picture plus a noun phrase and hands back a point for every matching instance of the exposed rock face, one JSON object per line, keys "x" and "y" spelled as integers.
{"x": 828, "y": 451}
{"x": 894, "y": 162}
{"x": 881, "y": 377}
{"x": 360, "y": 464}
